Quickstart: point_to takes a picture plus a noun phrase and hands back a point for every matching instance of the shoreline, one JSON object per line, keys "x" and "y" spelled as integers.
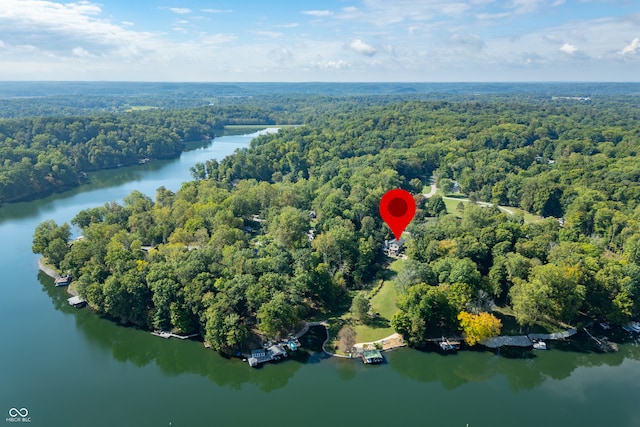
{"x": 49, "y": 271}
{"x": 392, "y": 342}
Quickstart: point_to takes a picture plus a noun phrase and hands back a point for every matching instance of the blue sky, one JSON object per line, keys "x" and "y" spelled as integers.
{"x": 331, "y": 40}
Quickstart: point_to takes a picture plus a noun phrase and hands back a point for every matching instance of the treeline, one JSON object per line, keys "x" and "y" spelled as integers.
{"x": 240, "y": 250}
{"x": 39, "y": 155}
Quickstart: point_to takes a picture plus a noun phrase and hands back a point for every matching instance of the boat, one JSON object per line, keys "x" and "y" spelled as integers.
{"x": 539, "y": 345}
{"x": 632, "y": 327}
{"x": 449, "y": 345}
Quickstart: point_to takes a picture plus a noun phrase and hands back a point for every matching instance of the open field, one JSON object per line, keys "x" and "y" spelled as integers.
{"x": 452, "y": 207}
{"x": 383, "y": 303}
{"x": 141, "y": 108}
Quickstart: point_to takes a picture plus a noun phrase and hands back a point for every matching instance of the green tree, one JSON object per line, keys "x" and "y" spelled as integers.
{"x": 360, "y": 308}
{"x": 552, "y": 291}
{"x": 48, "y": 231}
{"x": 435, "y": 206}
{"x": 275, "y": 315}
{"x": 289, "y": 227}
{"x": 224, "y": 329}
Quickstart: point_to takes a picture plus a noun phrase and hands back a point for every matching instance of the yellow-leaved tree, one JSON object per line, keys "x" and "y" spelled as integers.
{"x": 477, "y": 327}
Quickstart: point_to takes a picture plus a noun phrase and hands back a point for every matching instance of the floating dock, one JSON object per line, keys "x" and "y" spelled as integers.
{"x": 167, "y": 335}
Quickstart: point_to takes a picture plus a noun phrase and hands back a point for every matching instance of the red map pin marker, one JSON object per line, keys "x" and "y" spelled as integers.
{"x": 397, "y": 209}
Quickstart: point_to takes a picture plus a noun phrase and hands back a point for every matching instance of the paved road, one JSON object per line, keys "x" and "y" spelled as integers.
{"x": 434, "y": 189}
{"x": 432, "y": 192}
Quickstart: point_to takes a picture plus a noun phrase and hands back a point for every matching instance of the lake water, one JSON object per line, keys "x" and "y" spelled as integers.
{"x": 69, "y": 367}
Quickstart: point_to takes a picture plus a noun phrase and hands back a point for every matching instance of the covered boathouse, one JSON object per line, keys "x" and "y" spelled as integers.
{"x": 273, "y": 352}
{"x": 371, "y": 357}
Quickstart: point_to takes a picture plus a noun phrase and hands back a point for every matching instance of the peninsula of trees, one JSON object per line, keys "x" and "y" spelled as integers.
{"x": 288, "y": 228}
{"x": 42, "y": 154}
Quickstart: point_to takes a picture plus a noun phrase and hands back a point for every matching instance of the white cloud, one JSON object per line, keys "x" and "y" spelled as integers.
{"x": 47, "y": 40}
{"x": 492, "y": 16}
{"x": 357, "y": 45}
{"x": 128, "y": 23}
{"x": 269, "y": 34}
{"x": 569, "y": 48}
{"x": 385, "y": 13}
{"x": 378, "y": 40}
{"x": 217, "y": 10}
{"x": 335, "y": 65}
{"x": 280, "y": 55}
{"x": 318, "y": 13}
{"x": 631, "y": 48}
{"x": 180, "y": 10}
{"x": 525, "y": 6}
{"x": 217, "y": 39}
{"x": 80, "y": 52}
{"x": 469, "y": 41}
{"x": 56, "y": 29}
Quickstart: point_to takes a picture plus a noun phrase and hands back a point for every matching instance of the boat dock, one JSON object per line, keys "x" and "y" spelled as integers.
{"x": 370, "y": 357}
{"x": 510, "y": 341}
{"x": 167, "y": 335}
{"x": 262, "y": 355}
{"x": 76, "y": 301}
{"x": 525, "y": 340}
{"x": 63, "y": 280}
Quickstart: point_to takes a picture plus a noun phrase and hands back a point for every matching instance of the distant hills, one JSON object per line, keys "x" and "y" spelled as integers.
{"x": 52, "y": 89}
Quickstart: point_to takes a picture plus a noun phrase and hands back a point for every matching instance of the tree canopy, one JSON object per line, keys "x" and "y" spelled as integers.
{"x": 288, "y": 227}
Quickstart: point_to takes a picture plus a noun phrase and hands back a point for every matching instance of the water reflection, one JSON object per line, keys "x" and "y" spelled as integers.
{"x": 172, "y": 356}
{"x": 524, "y": 373}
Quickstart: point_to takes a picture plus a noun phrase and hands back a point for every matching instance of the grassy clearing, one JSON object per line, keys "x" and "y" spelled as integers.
{"x": 528, "y": 216}
{"x": 383, "y": 303}
{"x": 141, "y": 108}
{"x": 452, "y": 208}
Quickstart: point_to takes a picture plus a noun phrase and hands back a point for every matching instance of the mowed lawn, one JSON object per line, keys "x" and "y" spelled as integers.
{"x": 452, "y": 208}
{"x": 383, "y": 303}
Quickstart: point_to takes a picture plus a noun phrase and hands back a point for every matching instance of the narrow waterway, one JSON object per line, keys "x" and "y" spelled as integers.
{"x": 69, "y": 367}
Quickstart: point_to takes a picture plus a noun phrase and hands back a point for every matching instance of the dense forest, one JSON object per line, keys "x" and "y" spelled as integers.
{"x": 43, "y": 154}
{"x": 288, "y": 228}
{"x": 52, "y": 143}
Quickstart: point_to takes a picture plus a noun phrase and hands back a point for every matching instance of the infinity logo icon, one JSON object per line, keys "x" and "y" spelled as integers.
{"x": 22, "y": 412}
